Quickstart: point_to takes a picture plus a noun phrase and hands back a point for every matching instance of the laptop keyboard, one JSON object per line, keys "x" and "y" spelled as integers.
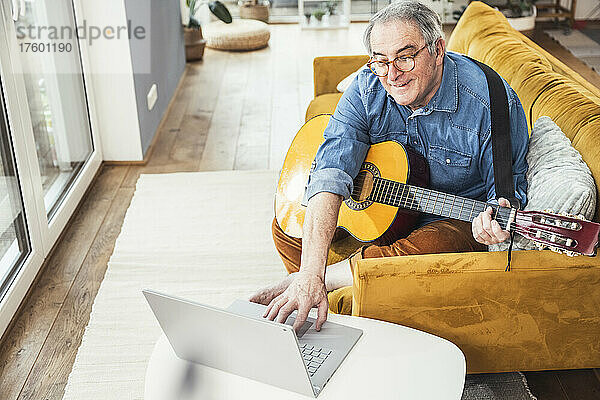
{"x": 313, "y": 357}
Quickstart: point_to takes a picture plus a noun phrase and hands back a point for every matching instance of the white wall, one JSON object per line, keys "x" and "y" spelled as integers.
{"x": 114, "y": 92}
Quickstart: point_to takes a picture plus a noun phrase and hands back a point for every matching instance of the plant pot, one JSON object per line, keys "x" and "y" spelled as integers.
{"x": 255, "y": 11}
{"x": 194, "y": 44}
{"x": 523, "y": 23}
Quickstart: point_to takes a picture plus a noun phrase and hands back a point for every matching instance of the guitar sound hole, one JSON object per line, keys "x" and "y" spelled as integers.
{"x": 363, "y": 185}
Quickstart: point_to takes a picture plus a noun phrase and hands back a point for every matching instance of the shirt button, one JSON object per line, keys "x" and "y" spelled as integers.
{"x": 448, "y": 161}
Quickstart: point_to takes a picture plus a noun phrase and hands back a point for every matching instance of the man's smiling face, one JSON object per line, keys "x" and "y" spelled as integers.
{"x": 402, "y": 38}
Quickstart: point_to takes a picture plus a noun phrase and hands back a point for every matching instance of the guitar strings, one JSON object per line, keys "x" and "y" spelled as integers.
{"x": 387, "y": 191}
{"x": 393, "y": 193}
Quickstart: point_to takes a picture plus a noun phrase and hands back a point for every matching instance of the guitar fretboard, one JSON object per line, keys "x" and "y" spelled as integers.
{"x": 433, "y": 202}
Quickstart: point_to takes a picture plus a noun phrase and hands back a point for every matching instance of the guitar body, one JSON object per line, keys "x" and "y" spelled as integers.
{"x": 364, "y": 219}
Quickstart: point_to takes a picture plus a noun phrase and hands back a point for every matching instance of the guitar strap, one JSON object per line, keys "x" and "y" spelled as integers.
{"x": 501, "y": 146}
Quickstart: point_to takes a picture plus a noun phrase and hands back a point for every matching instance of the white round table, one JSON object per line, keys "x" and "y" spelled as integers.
{"x": 388, "y": 362}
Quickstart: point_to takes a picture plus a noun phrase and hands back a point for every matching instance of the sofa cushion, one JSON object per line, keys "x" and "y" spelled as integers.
{"x": 506, "y": 54}
{"x": 568, "y": 104}
{"x": 555, "y": 165}
{"x": 323, "y": 104}
{"x": 343, "y": 85}
{"x": 483, "y": 32}
{"x": 477, "y": 19}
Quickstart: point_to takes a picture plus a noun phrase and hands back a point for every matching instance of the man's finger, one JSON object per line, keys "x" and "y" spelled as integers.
{"x": 301, "y": 317}
{"x": 475, "y": 227}
{"x": 322, "y": 313}
{"x": 486, "y": 221}
{"x": 500, "y": 234}
{"x": 285, "y": 312}
{"x": 270, "y": 306}
{"x": 275, "y": 310}
{"x": 479, "y": 232}
{"x": 503, "y": 202}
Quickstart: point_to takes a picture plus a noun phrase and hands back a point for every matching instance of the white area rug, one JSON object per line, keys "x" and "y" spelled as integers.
{"x": 202, "y": 236}
{"x": 205, "y": 236}
{"x": 581, "y": 46}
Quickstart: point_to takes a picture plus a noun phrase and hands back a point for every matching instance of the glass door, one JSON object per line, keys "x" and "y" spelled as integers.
{"x": 49, "y": 136}
{"x": 14, "y": 239}
{"x": 55, "y": 90}
{"x": 54, "y": 100}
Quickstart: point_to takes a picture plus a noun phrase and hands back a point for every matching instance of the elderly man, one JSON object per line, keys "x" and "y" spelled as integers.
{"x": 436, "y": 102}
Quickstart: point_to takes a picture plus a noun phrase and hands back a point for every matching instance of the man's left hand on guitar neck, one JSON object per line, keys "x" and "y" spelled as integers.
{"x": 487, "y": 230}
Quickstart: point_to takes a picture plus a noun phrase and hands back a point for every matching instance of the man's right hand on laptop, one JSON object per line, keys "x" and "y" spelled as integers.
{"x": 306, "y": 291}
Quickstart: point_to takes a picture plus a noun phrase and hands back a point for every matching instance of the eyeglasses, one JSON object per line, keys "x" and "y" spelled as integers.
{"x": 402, "y": 64}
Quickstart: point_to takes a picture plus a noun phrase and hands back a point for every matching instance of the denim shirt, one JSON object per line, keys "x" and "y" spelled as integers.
{"x": 452, "y": 132}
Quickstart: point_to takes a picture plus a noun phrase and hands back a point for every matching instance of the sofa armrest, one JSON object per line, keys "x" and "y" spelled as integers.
{"x": 544, "y": 314}
{"x": 329, "y": 71}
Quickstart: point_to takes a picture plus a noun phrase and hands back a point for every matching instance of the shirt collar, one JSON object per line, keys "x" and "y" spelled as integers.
{"x": 446, "y": 97}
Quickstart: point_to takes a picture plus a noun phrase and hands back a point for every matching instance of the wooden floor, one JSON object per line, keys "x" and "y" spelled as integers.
{"x": 233, "y": 111}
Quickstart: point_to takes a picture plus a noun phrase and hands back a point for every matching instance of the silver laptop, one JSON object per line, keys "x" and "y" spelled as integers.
{"x": 240, "y": 341}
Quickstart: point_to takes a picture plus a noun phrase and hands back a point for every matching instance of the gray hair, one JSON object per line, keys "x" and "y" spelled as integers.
{"x": 424, "y": 17}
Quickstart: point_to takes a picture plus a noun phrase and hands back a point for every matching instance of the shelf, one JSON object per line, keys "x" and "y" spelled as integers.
{"x": 342, "y": 25}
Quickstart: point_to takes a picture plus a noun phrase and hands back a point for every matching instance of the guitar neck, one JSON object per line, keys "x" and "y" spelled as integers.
{"x": 433, "y": 202}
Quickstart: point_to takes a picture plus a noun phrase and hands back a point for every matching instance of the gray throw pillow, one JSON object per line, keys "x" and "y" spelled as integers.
{"x": 558, "y": 179}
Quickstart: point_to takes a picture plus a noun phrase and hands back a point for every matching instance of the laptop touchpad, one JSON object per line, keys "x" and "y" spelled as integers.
{"x": 305, "y": 326}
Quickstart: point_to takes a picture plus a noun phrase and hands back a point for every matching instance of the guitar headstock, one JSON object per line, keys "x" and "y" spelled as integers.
{"x": 568, "y": 234}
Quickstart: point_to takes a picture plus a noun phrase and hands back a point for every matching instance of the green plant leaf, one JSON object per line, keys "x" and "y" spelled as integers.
{"x": 193, "y": 24}
{"x": 220, "y": 11}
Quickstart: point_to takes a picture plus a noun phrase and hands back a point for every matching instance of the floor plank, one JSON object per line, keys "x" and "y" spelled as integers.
{"x": 59, "y": 351}
{"x": 252, "y": 149}
{"x": 223, "y": 134}
{"x": 22, "y": 344}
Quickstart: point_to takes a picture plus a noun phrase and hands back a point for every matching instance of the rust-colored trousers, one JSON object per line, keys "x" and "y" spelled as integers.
{"x": 447, "y": 236}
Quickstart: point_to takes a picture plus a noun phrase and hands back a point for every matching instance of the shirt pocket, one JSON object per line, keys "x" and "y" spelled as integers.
{"x": 448, "y": 168}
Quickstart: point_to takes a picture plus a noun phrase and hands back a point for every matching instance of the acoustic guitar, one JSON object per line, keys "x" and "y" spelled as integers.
{"x": 389, "y": 194}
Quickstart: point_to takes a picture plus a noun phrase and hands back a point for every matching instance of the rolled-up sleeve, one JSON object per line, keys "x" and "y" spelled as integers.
{"x": 341, "y": 155}
{"x": 520, "y": 144}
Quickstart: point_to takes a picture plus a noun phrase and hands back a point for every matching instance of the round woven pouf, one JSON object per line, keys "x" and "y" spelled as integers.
{"x": 241, "y": 34}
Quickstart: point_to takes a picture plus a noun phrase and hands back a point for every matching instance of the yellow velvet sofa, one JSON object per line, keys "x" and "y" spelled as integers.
{"x": 545, "y": 313}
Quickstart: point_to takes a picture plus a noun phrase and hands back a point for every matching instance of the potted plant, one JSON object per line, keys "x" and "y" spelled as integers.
{"x": 333, "y": 17}
{"x": 255, "y": 9}
{"x": 318, "y": 14}
{"x": 307, "y": 15}
{"x": 520, "y": 14}
{"x": 194, "y": 42}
